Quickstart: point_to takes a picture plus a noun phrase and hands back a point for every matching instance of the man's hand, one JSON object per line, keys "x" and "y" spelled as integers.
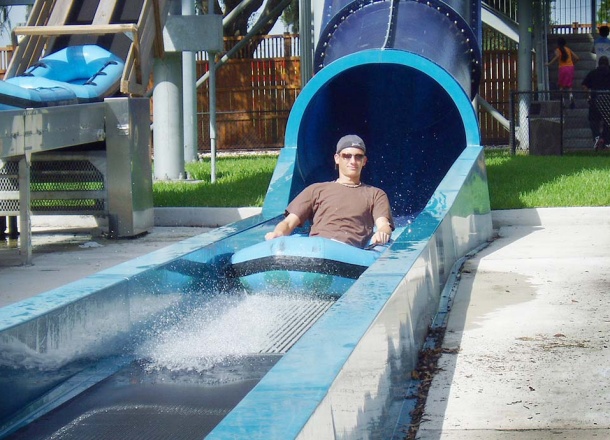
{"x": 380, "y": 237}
{"x": 383, "y": 233}
{"x": 285, "y": 227}
{"x": 273, "y": 234}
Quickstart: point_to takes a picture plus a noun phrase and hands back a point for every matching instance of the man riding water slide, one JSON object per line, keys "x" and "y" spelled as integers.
{"x": 345, "y": 209}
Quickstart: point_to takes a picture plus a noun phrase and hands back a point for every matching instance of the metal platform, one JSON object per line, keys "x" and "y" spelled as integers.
{"x": 88, "y": 159}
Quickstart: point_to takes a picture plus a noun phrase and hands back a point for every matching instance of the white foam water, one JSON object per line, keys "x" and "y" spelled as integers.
{"x": 226, "y": 327}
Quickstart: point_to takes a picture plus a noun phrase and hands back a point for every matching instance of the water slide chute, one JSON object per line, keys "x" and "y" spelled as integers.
{"x": 341, "y": 375}
{"x": 381, "y": 74}
{"x": 402, "y": 75}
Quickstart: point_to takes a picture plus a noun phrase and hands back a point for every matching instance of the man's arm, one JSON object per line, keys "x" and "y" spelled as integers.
{"x": 285, "y": 227}
{"x": 384, "y": 231}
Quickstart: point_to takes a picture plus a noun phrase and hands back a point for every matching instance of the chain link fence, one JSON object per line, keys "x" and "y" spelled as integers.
{"x": 551, "y": 123}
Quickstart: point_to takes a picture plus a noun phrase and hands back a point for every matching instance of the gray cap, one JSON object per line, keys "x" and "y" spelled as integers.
{"x": 349, "y": 141}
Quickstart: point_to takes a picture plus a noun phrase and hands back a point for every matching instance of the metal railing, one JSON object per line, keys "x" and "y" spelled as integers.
{"x": 5, "y": 59}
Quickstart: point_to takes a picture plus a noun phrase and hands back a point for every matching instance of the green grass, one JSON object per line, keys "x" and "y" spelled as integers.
{"x": 519, "y": 181}
{"x": 240, "y": 181}
{"x": 523, "y": 181}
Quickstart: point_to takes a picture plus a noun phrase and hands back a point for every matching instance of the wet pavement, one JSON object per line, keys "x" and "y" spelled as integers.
{"x": 526, "y": 354}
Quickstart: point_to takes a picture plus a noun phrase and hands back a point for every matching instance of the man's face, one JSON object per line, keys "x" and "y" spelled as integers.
{"x": 350, "y": 161}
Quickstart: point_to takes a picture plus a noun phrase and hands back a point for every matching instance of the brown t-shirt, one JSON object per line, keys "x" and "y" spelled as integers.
{"x": 342, "y": 213}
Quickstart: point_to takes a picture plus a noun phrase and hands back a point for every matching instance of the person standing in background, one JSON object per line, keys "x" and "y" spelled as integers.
{"x": 597, "y": 83}
{"x": 566, "y": 59}
{"x": 601, "y": 45}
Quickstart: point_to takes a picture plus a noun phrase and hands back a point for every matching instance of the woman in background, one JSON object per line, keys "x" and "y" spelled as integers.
{"x": 567, "y": 59}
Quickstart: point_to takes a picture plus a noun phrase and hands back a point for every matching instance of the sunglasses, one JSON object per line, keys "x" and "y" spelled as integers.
{"x": 348, "y": 156}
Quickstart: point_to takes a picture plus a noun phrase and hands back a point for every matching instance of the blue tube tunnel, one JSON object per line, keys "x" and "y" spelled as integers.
{"x": 401, "y": 75}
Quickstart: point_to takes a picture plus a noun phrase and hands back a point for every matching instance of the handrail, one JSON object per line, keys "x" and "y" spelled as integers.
{"x": 68, "y": 29}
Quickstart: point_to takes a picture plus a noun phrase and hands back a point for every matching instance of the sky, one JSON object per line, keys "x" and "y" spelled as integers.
{"x": 569, "y": 11}
{"x": 17, "y": 17}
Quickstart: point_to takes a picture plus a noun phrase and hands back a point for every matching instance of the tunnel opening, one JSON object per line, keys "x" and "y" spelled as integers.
{"x": 413, "y": 127}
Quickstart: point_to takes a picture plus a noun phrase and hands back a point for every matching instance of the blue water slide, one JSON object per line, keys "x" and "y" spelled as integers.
{"x": 75, "y": 74}
{"x": 401, "y": 74}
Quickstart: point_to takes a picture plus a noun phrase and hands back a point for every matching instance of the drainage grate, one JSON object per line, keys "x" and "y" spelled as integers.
{"x": 66, "y": 186}
{"x": 296, "y": 319}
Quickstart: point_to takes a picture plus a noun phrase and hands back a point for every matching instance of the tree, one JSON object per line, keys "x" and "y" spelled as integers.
{"x": 603, "y": 13}
{"x": 6, "y": 25}
{"x": 290, "y": 16}
{"x": 5, "y": 21}
{"x": 253, "y": 11}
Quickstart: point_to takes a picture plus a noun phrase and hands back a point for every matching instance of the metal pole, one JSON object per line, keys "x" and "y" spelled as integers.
{"x": 212, "y": 100}
{"x": 594, "y": 18}
{"x": 540, "y": 12}
{"x": 306, "y": 41}
{"x": 189, "y": 95}
{"x": 525, "y": 68}
{"x": 25, "y": 225}
{"x": 168, "y": 134}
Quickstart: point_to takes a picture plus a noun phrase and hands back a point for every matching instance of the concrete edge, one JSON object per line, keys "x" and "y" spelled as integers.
{"x": 551, "y": 216}
{"x": 206, "y": 217}
{"x": 215, "y": 217}
{"x": 163, "y": 217}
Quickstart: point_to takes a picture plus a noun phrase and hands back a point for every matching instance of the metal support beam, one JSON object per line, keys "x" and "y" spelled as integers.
{"x": 524, "y": 75}
{"x": 212, "y": 101}
{"x": 25, "y": 246}
{"x": 306, "y": 29}
{"x": 182, "y": 36}
{"x": 260, "y": 23}
{"x": 167, "y": 113}
{"x": 168, "y": 134}
{"x": 189, "y": 95}
{"x": 493, "y": 112}
{"x": 593, "y": 4}
{"x": 499, "y": 22}
{"x": 540, "y": 12}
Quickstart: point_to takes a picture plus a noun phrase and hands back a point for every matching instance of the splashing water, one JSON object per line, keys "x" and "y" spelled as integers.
{"x": 224, "y": 328}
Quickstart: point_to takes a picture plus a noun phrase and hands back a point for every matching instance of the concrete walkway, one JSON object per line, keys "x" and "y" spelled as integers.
{"x": 68, "y": 248}
{"x": 526, "y": 352}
